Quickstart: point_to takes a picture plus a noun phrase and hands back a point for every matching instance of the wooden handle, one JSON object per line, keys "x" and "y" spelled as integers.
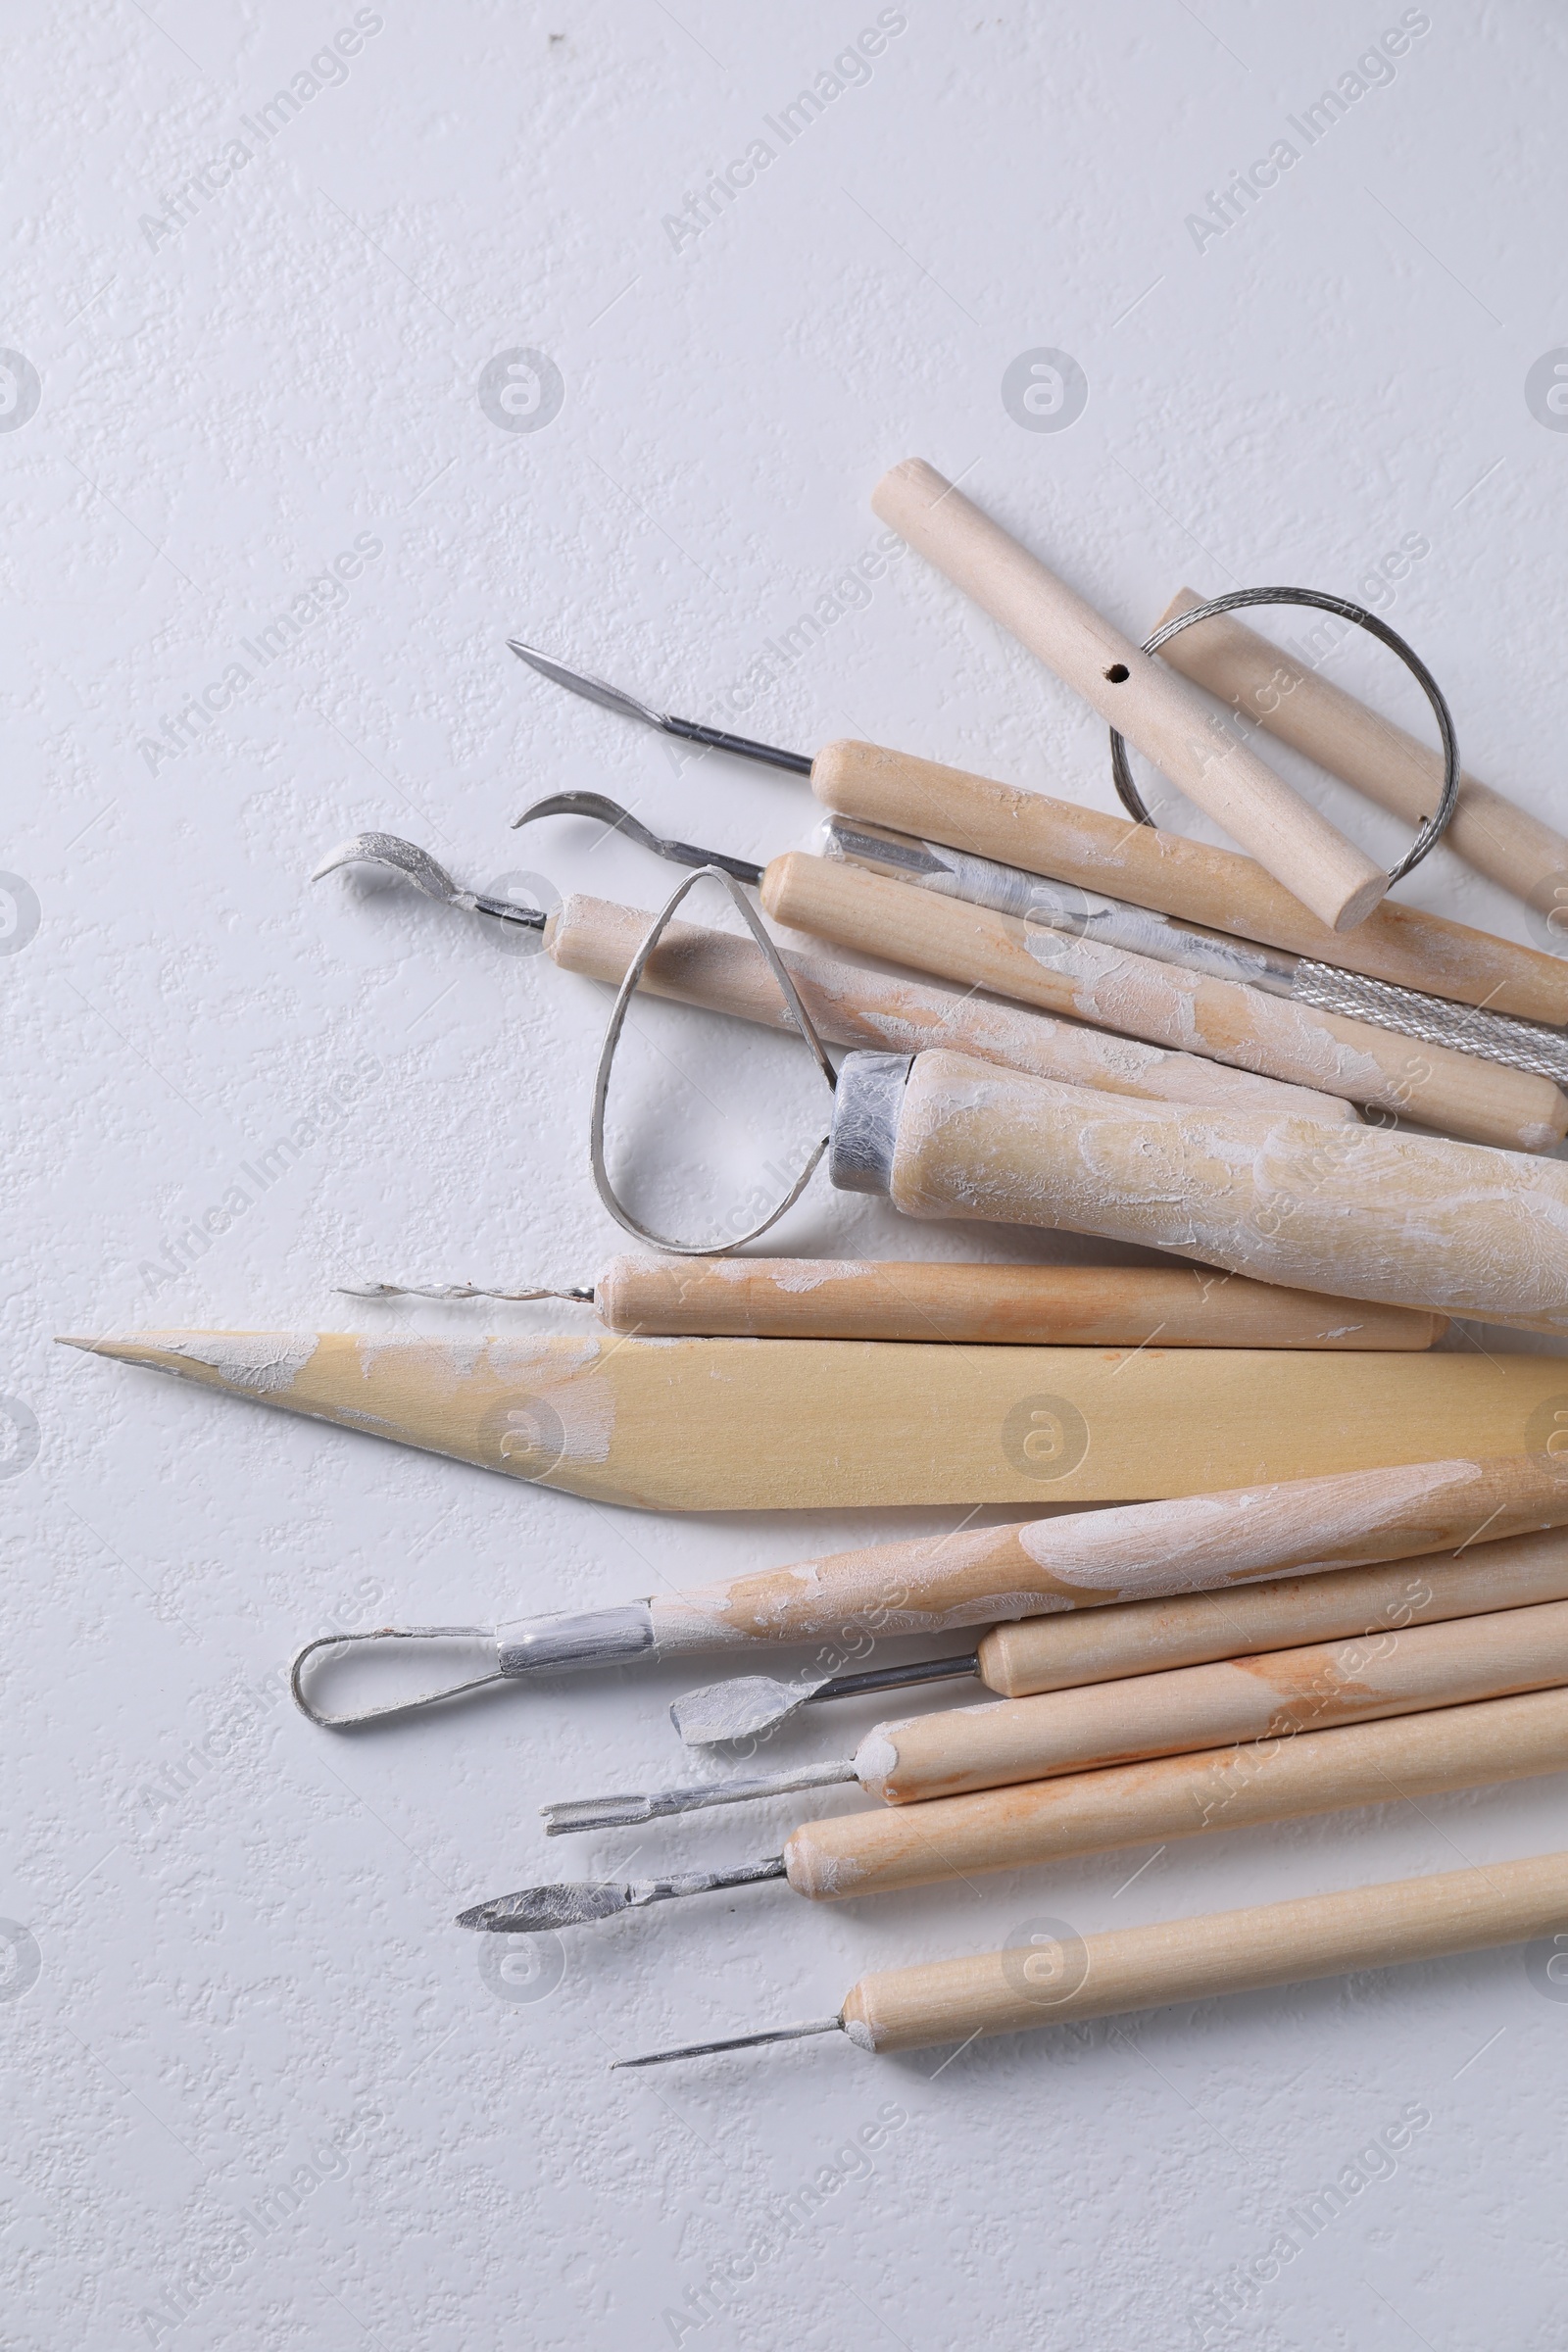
{"x": 1302, "y": 707}
{"x": 1061, "y": 1306}
{"x": 1098, "y": 1645}
{"x": 885, "y": 1850}
{"x": 1307, "y": 1525}
{"x": 1410, "y": 1220}
{"x": 854, "y": 1007}
{"x": 1271, "y": 1697}
{"x": 1224, "y": 1951}
{"x": 1164, "y": 1003}
{"x": 1132, "y": 692}
{"x": 1183, "y": 878}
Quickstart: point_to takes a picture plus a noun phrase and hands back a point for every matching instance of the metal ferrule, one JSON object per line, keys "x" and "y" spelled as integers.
{"x": 865, "y": 1120}
{"x": 578, "y": 1637}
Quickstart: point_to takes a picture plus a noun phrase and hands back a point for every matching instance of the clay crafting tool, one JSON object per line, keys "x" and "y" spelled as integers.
{"x": 778, "y": 1425}
{"x": 1153, "y": 869}
{"x": 1236, "y": 1787}
{"x": 935, "y": 1583}
{"x": 716, "y": 969}
{"x": 1120, "y": 967}
{"x": 1032, "y": 1654}
{"x": 1293, "y": 701}
{"x": 1410, "y": 1220}
{"x": 1114, "y": 923}
{"x": 1268, "y": 1696}
{"x": 1053, "y": 1980}
{"x": 1056, "y": 1306}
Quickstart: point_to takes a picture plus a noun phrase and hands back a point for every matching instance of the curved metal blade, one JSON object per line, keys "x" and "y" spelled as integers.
{"x": 417, "y": 865}
{"x": 611, "y": 812}
{"x": 737, "y": 1710}
{"x": 583, "y": 682}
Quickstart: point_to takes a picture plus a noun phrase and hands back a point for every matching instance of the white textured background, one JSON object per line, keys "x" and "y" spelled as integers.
{"x": 259, "y": 2092}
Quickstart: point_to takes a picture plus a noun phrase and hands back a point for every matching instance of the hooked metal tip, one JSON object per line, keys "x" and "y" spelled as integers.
{"x": 583, "y": 682}
{"x": 417, "y": 865}
{"x": 738, "y": 1710}
{"x": 541, "y": 1910}
{"x": 734, "y": 2041}
{"x": 611, "y": 812}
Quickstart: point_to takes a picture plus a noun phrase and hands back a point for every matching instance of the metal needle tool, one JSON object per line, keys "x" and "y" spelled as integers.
{"x": 1051, "y": 1979}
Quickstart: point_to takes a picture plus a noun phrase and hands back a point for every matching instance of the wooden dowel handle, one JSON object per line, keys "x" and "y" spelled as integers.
{"x": 693, "y": 965}
{"x": 1298, "y": 706}
{"x": 1266, "y": 1698}
{"x": 1149, "y": 1637}
{"x": 1226, "y": 1952}
{"x": 1078, "y": 1306}
{"x": 1411, "y": 1220}
{"x": 1132, "y": 692}
{"x": 1164, "y": 1003}
{"x": 885, "y": 1850}
{"x": 1303, "y": 1526}
{"x": 1184, "y": 878}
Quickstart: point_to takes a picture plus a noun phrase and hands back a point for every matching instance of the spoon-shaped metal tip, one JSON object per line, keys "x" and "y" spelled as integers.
{"x": 738, "y": 1710}
{"x": 417, "y": 865}
{"x": 539, "y": 1910}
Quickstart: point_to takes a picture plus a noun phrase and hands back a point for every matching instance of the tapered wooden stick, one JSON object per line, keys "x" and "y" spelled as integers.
{"x": 1197, "y": 1959}
{"x": 1129, "y": 688}
{"x": 851, "y": 1007}
{"x": 1078, "y": 1306}
{"x": 1479, "y": 1101}
{"x": 1302, "y": 707}
{"x": 1411, "y": 1220}
{"x": 1185, "y": 878}
{"x": 713, "y": 1424}
{"x": 1283, "y": 1778}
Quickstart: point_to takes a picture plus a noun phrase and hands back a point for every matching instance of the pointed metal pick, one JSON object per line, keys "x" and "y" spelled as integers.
{"x": 583, "y": 682}
{"x": 738, "y": 1710}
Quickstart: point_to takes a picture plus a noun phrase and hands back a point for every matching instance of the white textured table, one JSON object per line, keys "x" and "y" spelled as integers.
{"x": 278, "y": 487}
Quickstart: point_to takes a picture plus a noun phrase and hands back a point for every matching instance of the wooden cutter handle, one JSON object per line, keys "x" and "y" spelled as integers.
{"x": 855, "y": 1007}
{"x": 1189, "y": 1707}
{"x": 1188, "y": 879}
{"x": 1133, "y": 692}
{"x": 1165, "y": 1002}
{"x": 885, "y": 1850}
{"x": 1062, "y": 1307}
{"x": 1219, "y": 1952}
{"x": 1300, "y": 706}
{"x": 1148, "y": 1637}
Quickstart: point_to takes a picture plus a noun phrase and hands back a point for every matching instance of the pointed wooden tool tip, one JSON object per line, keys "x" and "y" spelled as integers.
{"x": 130, "y": 1352}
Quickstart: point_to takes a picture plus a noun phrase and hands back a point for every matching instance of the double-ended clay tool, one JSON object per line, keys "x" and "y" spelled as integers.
{"x": 1009, "y": 830}
{"x": 977, "y": 1576}
{"x": 1270, "y": 1696}
{"x": 1056, "y": 1307}
{"x": 1283, "y": 1775}
{"x": 1051, "y": 1980}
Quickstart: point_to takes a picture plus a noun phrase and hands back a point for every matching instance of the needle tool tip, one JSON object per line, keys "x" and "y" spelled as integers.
{"x": 735, "y": 2041}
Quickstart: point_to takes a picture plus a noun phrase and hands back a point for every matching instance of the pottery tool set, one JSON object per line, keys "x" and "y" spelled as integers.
{"x": 1331, "y": 1568}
